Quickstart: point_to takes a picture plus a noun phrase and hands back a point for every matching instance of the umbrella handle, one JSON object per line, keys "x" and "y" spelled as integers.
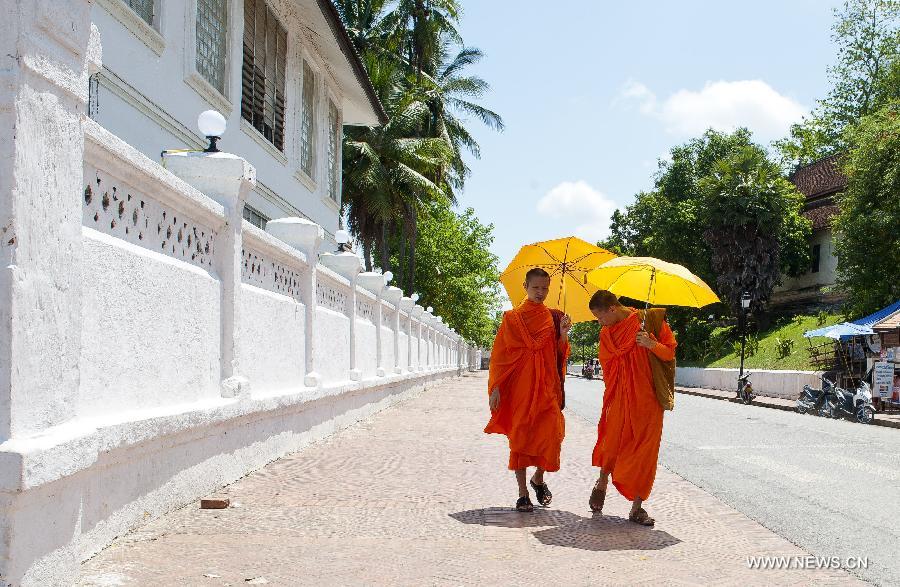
{"x": 647, "y": 301}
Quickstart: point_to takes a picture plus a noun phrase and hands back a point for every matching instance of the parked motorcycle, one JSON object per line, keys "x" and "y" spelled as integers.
{"x": 745, "y": 389}
{"x": 815, "y": 399}
{"x": 856, "y": 404}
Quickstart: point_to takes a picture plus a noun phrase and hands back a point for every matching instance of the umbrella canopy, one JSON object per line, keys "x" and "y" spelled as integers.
{"x": 567, "y": 260}
{"x": 653, "y": 281}
{"x": 837, "y": 331}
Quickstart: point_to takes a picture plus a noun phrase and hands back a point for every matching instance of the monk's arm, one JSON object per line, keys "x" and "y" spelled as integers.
{"x": 498, "y": 352}
{"x": 665, "y": 349}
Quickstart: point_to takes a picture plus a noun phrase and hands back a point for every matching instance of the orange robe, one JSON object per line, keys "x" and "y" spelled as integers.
{"x": 631, "y": 420}
{"x": 524, "y": 368}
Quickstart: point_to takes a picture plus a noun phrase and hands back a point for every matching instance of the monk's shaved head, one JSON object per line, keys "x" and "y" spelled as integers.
{"x": 603, "y": 300}
{"x": 536, "y": 272}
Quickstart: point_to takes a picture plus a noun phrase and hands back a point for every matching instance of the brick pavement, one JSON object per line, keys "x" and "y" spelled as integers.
{"x": 418, "y": 495}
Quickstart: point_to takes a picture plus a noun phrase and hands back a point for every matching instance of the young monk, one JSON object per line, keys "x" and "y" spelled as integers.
{"x": 631, "y": 420}
{"x": 525, "y": 386}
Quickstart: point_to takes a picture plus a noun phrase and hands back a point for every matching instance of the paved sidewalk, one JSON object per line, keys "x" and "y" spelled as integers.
{"x": 418, "y": 495}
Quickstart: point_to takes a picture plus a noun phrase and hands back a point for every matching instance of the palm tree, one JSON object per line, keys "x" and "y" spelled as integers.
{"x": 387, "y": 168}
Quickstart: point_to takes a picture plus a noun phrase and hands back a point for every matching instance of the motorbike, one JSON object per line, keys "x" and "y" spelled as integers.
{"x": 815, "y": 399}
{"x": 745, "y": 389}
{"x": 856, "y": 404}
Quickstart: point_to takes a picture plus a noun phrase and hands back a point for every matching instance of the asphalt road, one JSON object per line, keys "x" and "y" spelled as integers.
{"x": 829, "y": 486}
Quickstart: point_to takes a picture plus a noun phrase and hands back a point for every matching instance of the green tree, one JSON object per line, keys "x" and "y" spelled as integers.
{"x": 456, "y": 272}
{"x": 865, "y": 77}
{"x": 753, "y": 226}
{"x": 584, "y": 337}
{"x": 867, "y": 229}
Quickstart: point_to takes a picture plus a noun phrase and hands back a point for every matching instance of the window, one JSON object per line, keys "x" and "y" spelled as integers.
{"x": 255, "y": 217}
{"x": 308, "y": 121}
{"x": 265, "y": 50}
{"x": 212, "y": 27}
{"x": 816, "y": 257}
{"x": 334, "y": 152}
{"x": 143, "y": 8}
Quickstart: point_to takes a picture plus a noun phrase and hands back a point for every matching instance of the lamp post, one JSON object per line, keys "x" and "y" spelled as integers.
{"x": 745, "y": 305}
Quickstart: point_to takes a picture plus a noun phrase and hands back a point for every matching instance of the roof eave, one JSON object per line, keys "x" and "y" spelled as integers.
{"x": 340, "y": 34}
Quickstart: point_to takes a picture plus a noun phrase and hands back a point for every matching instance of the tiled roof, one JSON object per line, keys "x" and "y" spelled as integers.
{"x": 820, "y": 178}
{"x": 821, "y": 216}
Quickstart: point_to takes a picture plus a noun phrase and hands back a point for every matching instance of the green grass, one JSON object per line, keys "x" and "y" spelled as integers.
{"x": 767, "y": 354}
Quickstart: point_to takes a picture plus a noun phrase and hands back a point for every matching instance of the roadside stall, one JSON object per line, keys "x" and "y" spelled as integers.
{"x": 867, "y": 349}
{"x": 886, "y": 370}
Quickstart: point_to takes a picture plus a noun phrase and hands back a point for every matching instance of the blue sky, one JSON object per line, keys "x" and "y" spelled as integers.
{"x": 593, "y": 93}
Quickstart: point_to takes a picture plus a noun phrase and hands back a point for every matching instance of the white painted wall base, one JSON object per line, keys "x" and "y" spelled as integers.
{"x": 783, "y": 384}
{"x": 131, "y": 472}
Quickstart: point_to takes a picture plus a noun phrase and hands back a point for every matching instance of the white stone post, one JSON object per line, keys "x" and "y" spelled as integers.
{"x": 393, "y": 294}
{"x": 48, "y": 50}
{"x": 305, "y": 236}
{"x": 375, "y": 283}
{"x": 227, "y": 179}
{"x": 347, "y": 265}
{"x": 406, "y": 304}
{"x": 416, "y": 314}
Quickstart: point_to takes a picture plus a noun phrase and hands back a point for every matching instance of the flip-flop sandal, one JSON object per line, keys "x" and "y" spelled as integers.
{"x": 542, "y": 492}
{"x": 598, "y": 496}
{"x": 524, "y": 504}
{"x": 641, "y": 517}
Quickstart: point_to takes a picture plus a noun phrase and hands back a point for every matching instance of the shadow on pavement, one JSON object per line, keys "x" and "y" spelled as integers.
{"x": 561, "y": 528}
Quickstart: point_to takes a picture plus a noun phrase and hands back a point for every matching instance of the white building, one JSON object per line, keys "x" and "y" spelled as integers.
{"x": 154, "y": 345}
{"x": 282, "y": 72}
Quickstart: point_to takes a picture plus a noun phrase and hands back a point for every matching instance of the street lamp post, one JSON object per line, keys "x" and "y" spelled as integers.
{"x": 745, "y": 305}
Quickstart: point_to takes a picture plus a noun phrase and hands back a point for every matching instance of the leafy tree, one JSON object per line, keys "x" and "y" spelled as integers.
{"x": 865, "y": 77}
{"x": 584, "y": 337}
{"x": 867, "y": 228}
{"x": 753, "y": 226}
{"x": 456, "y": 273}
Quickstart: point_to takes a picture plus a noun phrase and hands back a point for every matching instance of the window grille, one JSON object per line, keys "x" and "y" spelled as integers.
{"x": 255, "y": 217}
{"x": 212, "y": 27}
{"x": 334, "y": 152}
{"x": 308, "y": 121}
{"x": 143, "y": 8}
{"x": 263, "y": 72}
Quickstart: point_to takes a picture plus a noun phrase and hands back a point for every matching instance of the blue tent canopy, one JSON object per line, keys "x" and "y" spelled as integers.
{"x": 843, "y": 330}
{"x": 860, "y": 327}
{"x": 878, "y": 316}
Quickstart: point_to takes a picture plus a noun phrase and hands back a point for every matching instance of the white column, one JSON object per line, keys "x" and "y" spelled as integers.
{"x": 392, "y": 295}
{"x": 227, "y": 179}
{"x": 406, "y": 304}
{"x": 347, "y": 265}
{"x": 375, "y": 283}
{"x": 43, "y": 95}
{"x": 305, "y": 236}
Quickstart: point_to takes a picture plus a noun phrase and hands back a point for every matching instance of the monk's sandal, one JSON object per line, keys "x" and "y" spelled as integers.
{"x": 542, "y": 492}
{"x": 598, "y": 496}
{"x": 641, "y": 517}
{"x": 524, "y": 504}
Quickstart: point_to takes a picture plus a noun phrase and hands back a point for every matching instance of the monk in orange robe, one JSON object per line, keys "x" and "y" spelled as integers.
{"x": 525, "y": 387}
{"x": 631, "y": 420}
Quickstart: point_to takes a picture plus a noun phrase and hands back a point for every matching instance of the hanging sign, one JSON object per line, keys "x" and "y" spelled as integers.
{"x": 882, "y": 379}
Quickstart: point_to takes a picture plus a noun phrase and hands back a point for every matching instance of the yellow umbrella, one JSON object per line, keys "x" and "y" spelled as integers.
{"x": 567, "y": 260}
{"x": 652, "y": 281}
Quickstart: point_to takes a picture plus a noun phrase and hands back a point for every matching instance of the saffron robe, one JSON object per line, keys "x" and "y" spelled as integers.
{"x": 631, "y": 419}
{"x": 524, "y": 362}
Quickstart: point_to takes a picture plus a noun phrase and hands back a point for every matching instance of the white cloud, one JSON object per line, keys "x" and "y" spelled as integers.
{"x": 580, "y": 206}
{"x": 721, "y": 105}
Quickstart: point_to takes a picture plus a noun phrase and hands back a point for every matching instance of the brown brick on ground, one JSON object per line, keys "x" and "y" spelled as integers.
{"x": 418, "y": 495}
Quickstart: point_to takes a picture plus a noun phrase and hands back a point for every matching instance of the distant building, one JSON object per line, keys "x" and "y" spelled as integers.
{"x": 819, "y": 182}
